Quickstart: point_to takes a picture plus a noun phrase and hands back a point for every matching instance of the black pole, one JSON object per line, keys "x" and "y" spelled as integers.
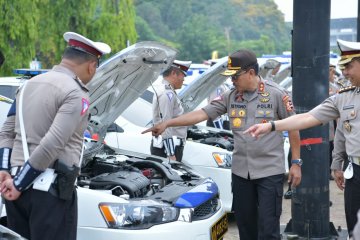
{"x": 311, "y": 35}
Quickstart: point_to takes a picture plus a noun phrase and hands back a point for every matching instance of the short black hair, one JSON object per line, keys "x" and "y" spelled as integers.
{"x": 2, "y": 58}
{"x": 78, "y": 55}
{"x": 254, "y": 66}
{"x": 168, "y": 71}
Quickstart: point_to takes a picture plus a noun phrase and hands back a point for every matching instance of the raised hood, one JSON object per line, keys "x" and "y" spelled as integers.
{"x": 204, "y": 84}
{"x": 123, "y": 78}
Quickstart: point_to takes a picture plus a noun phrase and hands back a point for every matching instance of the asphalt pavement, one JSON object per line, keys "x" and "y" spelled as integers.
{"x": 337, "y": 215}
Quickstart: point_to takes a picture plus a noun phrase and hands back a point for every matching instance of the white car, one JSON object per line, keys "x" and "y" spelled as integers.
{"x": 207, "y": 150}
{"x": 208, "y": 160}
{"x": 128, "y": 195}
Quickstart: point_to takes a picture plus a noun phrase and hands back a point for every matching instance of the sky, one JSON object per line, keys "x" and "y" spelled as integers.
{"x": 339, "y": 8}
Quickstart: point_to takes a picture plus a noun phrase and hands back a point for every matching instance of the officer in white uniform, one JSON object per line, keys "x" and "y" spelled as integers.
{"x": 344, "y": 106}
{"x": 167, "y": 105}
{"x": 55, "y": 115}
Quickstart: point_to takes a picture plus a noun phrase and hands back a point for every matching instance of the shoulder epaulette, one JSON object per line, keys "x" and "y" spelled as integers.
{"x": 347, "y": 89}
{"x": 341, "y": 82}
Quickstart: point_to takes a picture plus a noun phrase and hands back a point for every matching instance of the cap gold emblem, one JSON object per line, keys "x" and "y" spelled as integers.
{"x": 229, "y": 62}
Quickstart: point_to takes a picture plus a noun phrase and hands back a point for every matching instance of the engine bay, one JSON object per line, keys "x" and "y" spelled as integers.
{"x": 130, "y": 176}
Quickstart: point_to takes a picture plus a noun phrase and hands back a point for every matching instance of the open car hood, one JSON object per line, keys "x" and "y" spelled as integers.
{"x": 204, "y": 84}
{"x": 122, "y": 79}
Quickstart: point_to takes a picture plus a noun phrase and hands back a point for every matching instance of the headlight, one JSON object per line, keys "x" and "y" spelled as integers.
{"x": 137, "y": 214}
{"x": 223, "y": 160}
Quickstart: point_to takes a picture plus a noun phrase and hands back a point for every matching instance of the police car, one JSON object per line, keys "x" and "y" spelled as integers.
{"x": 128, "y": 195}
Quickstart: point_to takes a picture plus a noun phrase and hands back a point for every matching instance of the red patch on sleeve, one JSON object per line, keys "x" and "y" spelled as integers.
{"x": 288, "y": 103}
{"x": 85, "y": 106}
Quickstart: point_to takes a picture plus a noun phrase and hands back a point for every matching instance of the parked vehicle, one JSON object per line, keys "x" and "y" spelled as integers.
{"x": 206, "y": 159}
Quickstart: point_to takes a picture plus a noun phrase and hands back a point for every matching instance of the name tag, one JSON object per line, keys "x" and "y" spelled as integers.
{"x": 348, "y": 107}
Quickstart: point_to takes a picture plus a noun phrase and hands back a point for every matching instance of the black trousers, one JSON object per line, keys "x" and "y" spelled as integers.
{"x": 179, "y": 150}
{"x": 38, "y": 215}
{"x": 257, "y": 206}
{"x": 352, "y": 198}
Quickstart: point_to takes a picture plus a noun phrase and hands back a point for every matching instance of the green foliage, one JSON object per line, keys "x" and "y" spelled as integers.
{"x": 201, "y": 26}
{"x": 34, "y": 28}
{"x": 18, "y": 36}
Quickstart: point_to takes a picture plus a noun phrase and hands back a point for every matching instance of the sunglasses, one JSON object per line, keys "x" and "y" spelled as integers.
{"x": 235, "y": 76}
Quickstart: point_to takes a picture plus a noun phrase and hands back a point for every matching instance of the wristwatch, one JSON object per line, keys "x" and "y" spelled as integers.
{"x": 297, "y": 161}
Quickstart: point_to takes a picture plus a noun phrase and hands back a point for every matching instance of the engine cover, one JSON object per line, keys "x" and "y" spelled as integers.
{"x": 134, "y": 182}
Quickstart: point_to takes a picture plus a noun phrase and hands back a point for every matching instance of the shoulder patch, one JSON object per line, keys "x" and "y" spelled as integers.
{"x": 85, "y": 106}
{"x": 347, "y": 89}
{"x": 170, "y": 95}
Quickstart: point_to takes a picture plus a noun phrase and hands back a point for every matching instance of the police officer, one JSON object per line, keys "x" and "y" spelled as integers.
{"x": 167, "y": 105}
{"x": 345, "y": 106}
{"x": 270, "y": 69}
{"x": 55, "y": 115}
{"x": 257, "y": 166}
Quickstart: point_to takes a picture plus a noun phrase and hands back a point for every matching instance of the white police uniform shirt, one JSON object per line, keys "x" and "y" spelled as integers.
{"x": 344, "y": 105}
{"x": 55, "y": 111}
{"x": 167, "y": 103}
{"x": 339, "y": 152}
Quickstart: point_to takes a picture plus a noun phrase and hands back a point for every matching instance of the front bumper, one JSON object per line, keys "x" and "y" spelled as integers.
{"x": 196, "y": 230}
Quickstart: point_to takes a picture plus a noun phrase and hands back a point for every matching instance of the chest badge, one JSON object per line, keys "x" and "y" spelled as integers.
{"x": 265, "y": 94}
{"x": 233, "y": 112}
{"x": 237, "y": 122}
{"x": 347, "y": 126}
{"x": 242, "y": 113}
{"x": 264, "y": 100}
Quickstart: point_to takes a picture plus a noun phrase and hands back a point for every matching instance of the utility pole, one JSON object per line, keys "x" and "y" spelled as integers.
{"x": 310, "y": 62}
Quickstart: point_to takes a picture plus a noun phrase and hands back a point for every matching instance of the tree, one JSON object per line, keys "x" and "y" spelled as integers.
{"x": 222, "y": 25}
{"x": 43, "y": 22}
{"x": 17, "y": 41}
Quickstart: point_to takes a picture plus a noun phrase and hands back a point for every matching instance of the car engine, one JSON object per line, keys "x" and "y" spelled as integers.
{"x": 130, "y": 176}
